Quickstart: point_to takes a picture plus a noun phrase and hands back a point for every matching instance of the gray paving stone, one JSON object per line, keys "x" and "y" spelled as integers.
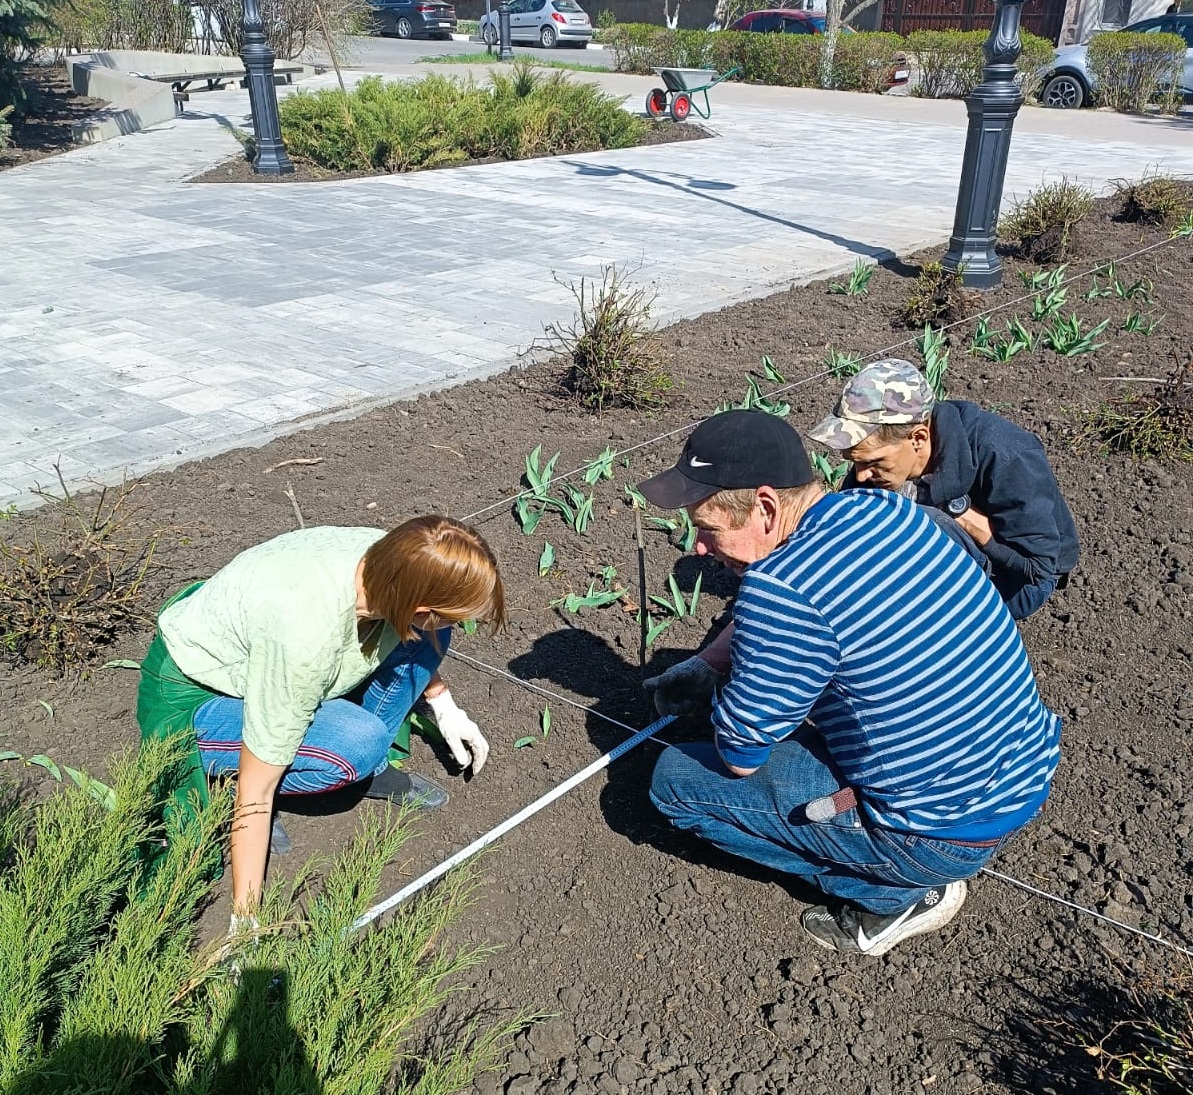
{"x": 155, "y": 321}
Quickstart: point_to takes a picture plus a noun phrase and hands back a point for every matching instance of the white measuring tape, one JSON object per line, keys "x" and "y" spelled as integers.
{"x": 381, "y": 908}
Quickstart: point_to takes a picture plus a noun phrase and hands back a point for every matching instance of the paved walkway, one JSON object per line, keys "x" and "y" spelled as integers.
{"x": 146, "y": 321}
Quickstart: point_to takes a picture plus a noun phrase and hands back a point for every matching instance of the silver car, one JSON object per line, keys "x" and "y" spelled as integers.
{"x": 1069, "y": 83}
{"x": 550, "y": 23}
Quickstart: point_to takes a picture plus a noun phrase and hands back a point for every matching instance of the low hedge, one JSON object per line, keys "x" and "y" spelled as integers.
{"x": 439, "y": 121}
{"x": 1134, "y": 70}
{"x": 861, "y": 62}
{"x": 950, "y": 62}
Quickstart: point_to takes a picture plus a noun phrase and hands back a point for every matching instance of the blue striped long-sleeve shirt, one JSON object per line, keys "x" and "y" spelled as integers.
{"x": 872, "y": 622}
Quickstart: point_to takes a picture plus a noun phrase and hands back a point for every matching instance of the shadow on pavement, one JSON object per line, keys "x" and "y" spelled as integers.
{"x": 701, "y": 187}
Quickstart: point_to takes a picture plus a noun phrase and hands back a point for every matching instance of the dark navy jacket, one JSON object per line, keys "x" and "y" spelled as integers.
{"x": 1005, "y": 472}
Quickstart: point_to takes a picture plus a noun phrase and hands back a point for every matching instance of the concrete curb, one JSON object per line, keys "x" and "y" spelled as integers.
{"x": 134, "y": 102}
{"x": 477, "y": 38}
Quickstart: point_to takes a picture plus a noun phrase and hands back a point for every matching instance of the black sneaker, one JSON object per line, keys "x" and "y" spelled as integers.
{"x": 279, "y": 839}
{"x": 851, "y": 930}
{"x": 406, "y": 789}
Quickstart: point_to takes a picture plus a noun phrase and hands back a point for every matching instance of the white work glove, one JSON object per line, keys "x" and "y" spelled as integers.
{"x": 242, "y": 925}
{"x": 460, "y": 734}
{"x": 684, "y": 688}
{"x": 241, "y": 930}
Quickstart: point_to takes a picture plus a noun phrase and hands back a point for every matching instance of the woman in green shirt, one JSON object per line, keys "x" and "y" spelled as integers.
{"x": 297, "y": 663}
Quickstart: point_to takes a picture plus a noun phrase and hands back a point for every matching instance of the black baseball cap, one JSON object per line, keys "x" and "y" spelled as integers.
{"x": 731, "y": 451}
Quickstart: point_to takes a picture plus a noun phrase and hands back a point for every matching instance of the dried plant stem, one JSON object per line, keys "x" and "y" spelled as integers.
{"x": 295, "y": 461}
{"x": 289, "y": 493}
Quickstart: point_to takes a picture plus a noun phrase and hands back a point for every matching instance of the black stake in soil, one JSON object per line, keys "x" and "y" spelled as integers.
{"x": 643, "y": 619}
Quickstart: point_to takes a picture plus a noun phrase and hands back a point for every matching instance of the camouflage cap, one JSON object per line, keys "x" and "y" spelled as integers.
{"x": 889, "y": 391}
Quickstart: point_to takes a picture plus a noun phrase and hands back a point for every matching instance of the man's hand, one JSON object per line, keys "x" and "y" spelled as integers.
{"x": 977, "y": 524}
{"x": 460, "y": 734}
{"x": 684, "y": 688}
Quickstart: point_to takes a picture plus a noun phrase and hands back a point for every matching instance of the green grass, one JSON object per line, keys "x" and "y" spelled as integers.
{"x": 491, "y": 59}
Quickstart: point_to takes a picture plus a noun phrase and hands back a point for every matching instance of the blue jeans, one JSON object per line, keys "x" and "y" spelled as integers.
{"x": 348, "y": 739}
{"x": 761, "y": 818}
{"x": 1021, "y": 599}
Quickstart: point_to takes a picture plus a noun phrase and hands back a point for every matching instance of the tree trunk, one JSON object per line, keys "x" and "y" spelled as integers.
{"x": 832, "y": 28}
{"x": 856, "y": 9}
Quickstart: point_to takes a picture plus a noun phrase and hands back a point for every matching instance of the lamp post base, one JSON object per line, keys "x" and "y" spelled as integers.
{"x": 271, "y": 158}
{"x": 992, "y": 107}
{"x": 505, "y": 50}
{"x": 987, "y": 145}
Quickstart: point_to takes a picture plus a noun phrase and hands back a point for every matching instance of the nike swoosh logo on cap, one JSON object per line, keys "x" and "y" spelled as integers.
{"x": 695, "y": 463}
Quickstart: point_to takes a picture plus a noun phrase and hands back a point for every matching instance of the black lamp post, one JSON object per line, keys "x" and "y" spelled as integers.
{"x": 503, "y": 28}
{"x": 271, "y": 158}
{"x": 992, "y": 107}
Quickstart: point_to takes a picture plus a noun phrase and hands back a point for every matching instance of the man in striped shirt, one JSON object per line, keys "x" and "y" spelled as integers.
{"x": 878, "y": 732}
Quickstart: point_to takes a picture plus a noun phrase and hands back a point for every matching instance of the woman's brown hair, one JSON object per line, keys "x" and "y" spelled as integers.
{"x": 434, "y": 563}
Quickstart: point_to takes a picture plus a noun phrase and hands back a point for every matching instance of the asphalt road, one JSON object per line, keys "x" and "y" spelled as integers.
{"x": 386, "y": 54}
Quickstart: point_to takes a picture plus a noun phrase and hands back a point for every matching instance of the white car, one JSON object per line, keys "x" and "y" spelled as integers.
{"x": 550, "y": 23}
{"x": 1069, "y": 83}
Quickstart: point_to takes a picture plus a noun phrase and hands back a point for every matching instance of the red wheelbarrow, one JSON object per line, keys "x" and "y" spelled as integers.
{"x": 681, "y": 85}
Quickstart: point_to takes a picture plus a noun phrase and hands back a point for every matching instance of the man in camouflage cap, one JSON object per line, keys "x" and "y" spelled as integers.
{"x": 987, "y": 482}
{"x": 888, "y": 392}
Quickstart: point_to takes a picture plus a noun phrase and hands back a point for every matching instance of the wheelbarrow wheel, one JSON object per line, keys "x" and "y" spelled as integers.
{"x": 681, "y": 107}
{"x": 656, "y": 103}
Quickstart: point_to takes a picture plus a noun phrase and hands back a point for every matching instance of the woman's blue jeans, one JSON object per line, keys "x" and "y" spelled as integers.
{"x": 348, "y": 739}
{"x": 761, "y": 817}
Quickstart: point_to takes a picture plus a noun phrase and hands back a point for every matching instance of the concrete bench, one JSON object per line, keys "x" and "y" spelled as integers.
{"x": 215, "y": 79}
{"x": 144, "y": 88}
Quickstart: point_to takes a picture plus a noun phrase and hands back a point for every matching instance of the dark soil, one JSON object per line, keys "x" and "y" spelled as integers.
{"x": 51, "y": 109}
{"x": 668, "y": 967}
{"x": 239, "y": 169}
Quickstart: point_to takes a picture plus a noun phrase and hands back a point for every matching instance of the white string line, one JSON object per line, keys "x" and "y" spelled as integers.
{"x": 478, "y": 664}
{"x": 1081, "y": 908}
{"x": 874, "y": 355}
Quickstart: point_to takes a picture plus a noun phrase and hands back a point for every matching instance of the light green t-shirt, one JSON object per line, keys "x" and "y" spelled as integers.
{"x": 277, "y": 627}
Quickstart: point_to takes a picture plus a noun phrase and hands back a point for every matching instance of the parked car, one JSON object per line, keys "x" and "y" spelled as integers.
{"x": 550, "y": 23}
{"x": 784, "y": 21}
{"x": 794, "y": 21}
{"x": 413, "y": 18}
{"x": 1068, "y": 83}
